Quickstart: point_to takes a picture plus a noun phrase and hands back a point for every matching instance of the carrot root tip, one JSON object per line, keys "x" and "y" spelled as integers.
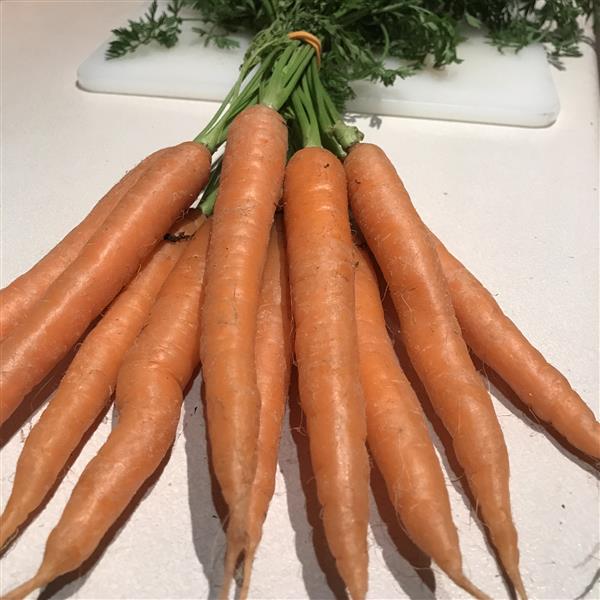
{"x": 20, "y": 592}
{"x": 231, "y": 559}
{"x": 519, "y": 587}
{"x": 248, "y": 562}
{"x": 461, "y": 580}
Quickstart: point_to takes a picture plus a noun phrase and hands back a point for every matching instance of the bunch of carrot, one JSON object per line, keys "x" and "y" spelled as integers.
{"x": 242, "y": 293}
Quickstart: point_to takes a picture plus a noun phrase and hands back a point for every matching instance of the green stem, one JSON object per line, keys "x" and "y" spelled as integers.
{"x": 386, "y": 42}
{"x": 306, "y": 116}
{"x": 228, "y": 99}
{"x": 338, "y": 137}
{"x": 287, "y": 71}
{"x": 325, "y": 119}
{"x": 209, "y": 197}
{"x": 347, "y": 135}
{"x": 301, "y": 117}
{"x": 214, "y": 134}
{"x": 348, "y": 18}
{"x": 333, "y": 112}
{"x": 270, "y": 9}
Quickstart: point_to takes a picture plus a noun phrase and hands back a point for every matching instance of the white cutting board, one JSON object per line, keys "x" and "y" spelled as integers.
{"x": 488, "y": 87}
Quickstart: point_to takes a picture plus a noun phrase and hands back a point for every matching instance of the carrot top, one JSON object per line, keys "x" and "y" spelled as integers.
{"x": 276, "y": 76}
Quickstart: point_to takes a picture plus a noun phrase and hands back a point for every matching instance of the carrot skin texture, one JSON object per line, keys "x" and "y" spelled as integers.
{"x": 249, "y": 191}
{"x": 497, "y": 341}
{"x": 273, "y": 365}
{"x": 321, "y": 270}
{"x": 149, "y": 395}
{"x": 432, "y": 336}
{"x": 18, "y": 298}
{"x": 398, "y": 437}
{"x": 106, "y": 263}
{"x": 87, "y": 385}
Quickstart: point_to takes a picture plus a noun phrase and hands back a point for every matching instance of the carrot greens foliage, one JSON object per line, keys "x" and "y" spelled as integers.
{"x": 378, "y": 40}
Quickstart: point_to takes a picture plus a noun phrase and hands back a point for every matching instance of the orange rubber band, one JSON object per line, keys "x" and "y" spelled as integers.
{"x": 308, "y": 38}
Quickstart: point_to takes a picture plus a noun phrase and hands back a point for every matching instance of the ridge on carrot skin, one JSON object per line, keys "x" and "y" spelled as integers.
{"x": 249, "y": 191}
{"x": 398, "y": 437}
{"x": 149, "y": 396}
{"x": 107, "y": 262}
{"x": 321, "y": 267}
{"x": 431, "y": 334}
{"x": 498, "y": 342}
{"x": 87, "y": 385}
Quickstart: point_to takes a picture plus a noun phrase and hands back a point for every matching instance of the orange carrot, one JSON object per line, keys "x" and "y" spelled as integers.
{"x": 497, "y": 341}
{"x": 149, "y": 396}
{"x": 321, "y": 266}
{"x": 87, "y": 385}
{"x": 398, "y": 437}
{"x": 18, "y": 298}
{"x": 106, "y": 263}
{"x": 433, "y": 339}
{"x": 249, "y": 191}
{"x": 273, "y": 364}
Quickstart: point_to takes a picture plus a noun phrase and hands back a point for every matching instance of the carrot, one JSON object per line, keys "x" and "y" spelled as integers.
{"x": 249, "y": 191}
{"x": 497, "y": 341}
{"x": 398, "y": 438}
{"x": 321, "y": 266}
{"x": 273, "y": 364}
{"x": 86, "y": 386}
{"x": 432, "y": 337}
{"x": 149, "y": 396}
{"x": 105, "y": 264}
{"x": 18, "y": 298}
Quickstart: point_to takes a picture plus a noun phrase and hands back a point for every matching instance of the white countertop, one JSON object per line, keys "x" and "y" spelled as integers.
{"x": 518, "y": 206}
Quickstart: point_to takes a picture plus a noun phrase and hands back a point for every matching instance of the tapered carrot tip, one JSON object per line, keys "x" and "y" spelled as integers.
{"x": 515, "y": 578}
{"x": 234, "y": 549}
{"x": 248, "y": 561}
{"x": 460, "y": 580}
{"x": 356, "y": 582}
{"x": 228, "y": 576}
{"x": 357, "y": 590}
{"x": 39, "y": 580}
